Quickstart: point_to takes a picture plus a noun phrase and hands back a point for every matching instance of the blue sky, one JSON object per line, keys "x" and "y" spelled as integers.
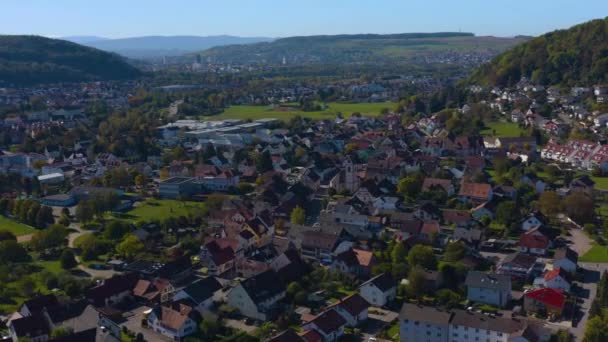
{"x": 281, "y": 18}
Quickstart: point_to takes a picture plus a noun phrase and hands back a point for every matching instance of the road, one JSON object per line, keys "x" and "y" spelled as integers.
{"x": 89, "y": 272}
{"x": 593, "y": 272}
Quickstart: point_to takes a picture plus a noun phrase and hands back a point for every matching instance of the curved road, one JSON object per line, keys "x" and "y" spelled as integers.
{"x": 104, "y": 274}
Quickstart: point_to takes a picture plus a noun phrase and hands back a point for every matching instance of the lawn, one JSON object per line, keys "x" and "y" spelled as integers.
{"x": 597, "y": 253}
{"x": 601, "y": 183}
{"x": 15, "y": 227}
{"x": 260, "y": 112}
{"x": 160, "y": 209}
{"x": 503, "y": 130}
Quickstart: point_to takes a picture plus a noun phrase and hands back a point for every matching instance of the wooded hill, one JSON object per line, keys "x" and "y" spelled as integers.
{"x": 576, "y": 56}
{"x": 27, "y": 60}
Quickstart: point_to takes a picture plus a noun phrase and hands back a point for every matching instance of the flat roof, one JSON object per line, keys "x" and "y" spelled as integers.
{"x": 50, "y": 176}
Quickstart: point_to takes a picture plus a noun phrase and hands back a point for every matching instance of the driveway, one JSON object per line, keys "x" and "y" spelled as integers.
{"x": 593, "y": 272}
{"x": 239, "y": 325}
{"x": 133, "y": 322}
{"x": 579, "y": 241}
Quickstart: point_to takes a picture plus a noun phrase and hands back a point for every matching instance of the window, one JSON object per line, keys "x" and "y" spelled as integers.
{"x": 416, "y": 323}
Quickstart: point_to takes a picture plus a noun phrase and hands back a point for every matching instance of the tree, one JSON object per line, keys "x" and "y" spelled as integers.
{"x": 549, "y": 203}
{"x": 448, "y": 298}
{"x": 398, "y": 253}
{"x": 263, "y": 162}
{"x": 52, "y": 237}
{"x": 579, "y": 207}
{"x": 421, "y": 255}
{"x": 454, "y": 251}
{"x": 129, "y": 247}
{"x": 298, "y": 216}
{"x": 409, "y": 186}
{"x": 12, "y": 251}
{"x": 85, "y": 211}
{"x": 139, "y": 180}
{"x": 507, "y": 212}
{"x": 115, "y": 230}
{"x": 60, "y": 332}
{"x": 67, "y": 259}
{"x": 596, "y": 329}
{"x": 44, "y": 217}
{"x": 416, "y": 283}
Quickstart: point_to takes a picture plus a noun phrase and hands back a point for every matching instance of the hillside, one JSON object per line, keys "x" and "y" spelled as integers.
{"x": 158, "y": 46}
{"x": 578, "y": 55}
{"x": 363, "y": 48}
{"x": 27, "y": 60}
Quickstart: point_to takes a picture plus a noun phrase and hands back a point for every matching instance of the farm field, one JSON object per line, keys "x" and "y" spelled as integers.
{"x": 15, "y": 227}
{"x": 286, "y": 113}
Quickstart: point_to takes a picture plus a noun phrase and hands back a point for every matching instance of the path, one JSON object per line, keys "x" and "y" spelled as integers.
{"x": 89, "y": 271}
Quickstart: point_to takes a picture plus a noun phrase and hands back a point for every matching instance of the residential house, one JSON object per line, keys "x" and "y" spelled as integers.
{"x": 257, "y": 297}
{"x": 287, "y": 336}
{"x": 173, "y": 322}
{"x": 353, "y": 309}
{"x": 437, "y": 184}
{"x": 329, "y": 324}
{"x": 424, "y": 323}
{"x": 475, "y": 192}
{"x": 219, "y": 255}
{"x": 556, "y": 278}
{"x": 487, "y": 288}
{"x": 545, "y": 301}
{"x": 534, "y": 220}
{"x": 355, "y": 261}
{"x": 155, "y": 291}
{"x": 517, "y": 265}
{"x": 379, "y": 290}
{"x": 566, "y": 259}
{"x": 33, "y": 328}
{"x": 319, "y": 246}
{"x": 534, "y": 242}
{"x": 202, "y": 293}
{"x": 112, "y": 291}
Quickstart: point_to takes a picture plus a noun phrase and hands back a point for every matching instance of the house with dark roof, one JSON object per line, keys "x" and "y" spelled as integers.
{"x": 493, "y": 289}
{"x": 287, "y": 336}
{"x": 112, "y": 291}
{"x": 566, "y": 259}
{"x": 174, "y": 322}
{"x": 352, "y": 308}
{"x": 219, "y": 255}
{"x": 38, "y": 304}
{"x": 202, "y": 293}
{"x": 379, "y": 290}
{"x": 358, "y": 262}
{"x": 438, "y": 184}
{"x": 545, "y": 301}
{"x": 258, "y": 297}
{"x": 329, "y": 324}
{"x": 517, "y": 265}
{"x": 417, "y": 323}
{"x": 35, "y": 328}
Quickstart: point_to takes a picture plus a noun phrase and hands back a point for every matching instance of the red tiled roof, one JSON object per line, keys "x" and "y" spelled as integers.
{"x": 363, "y": 257}
{"x": 548, "y": 296}
{"x": 534, "y": 240}
{"x": 554, "y": 273}
{"x": 476, "y": 190}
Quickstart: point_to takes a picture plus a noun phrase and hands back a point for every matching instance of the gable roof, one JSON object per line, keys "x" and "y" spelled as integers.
{"x": 110, "y": 287}
{"x": 40, "y": 302}
{"x": 353, "y": 304}
{"x": 383, "y": 281}
{"x": 567, "y": 253}
{"x": 548, "y": 296}
{"x": 263, "y": 286}
{"x": 475, "y": 190}
{"x": 520, "y": 259}
{"x": 201, "y": 290}
{"x": 172, "y": 318}
{"x": 425, "y": 314}
{"x": 534, "y": 239}
{"x": 329, "y": 321}
{"x": 433, "y": 183}
{"x": 314, "y": 239}
{"x": 488, "y": 281}
{"x": 287, "y": 336}
{"x": 554, "y": 273}
{"x": 32, "y": 326}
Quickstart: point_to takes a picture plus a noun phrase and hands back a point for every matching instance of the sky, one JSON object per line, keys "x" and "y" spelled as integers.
{"x": 283, "y": 18}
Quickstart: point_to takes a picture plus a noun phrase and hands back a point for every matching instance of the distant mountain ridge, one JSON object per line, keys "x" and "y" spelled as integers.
{"x": 575, "y": 56}
{"x": 28, "y": 60}
{"x": 158, "y": 46}
{"x": 357, "y": 48}
{"x": 83, "y": 39}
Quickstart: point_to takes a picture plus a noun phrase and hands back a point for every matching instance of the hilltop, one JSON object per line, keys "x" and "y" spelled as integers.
{"x": 158, "y": 46}
{"x": 578, "y": 55}
{"x": 26, "y": 60}
{"x": 360, "y": 48}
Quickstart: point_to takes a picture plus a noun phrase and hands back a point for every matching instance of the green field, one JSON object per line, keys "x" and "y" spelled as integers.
{"x": 601, "y": 183}
{"x": 15, "y": 227}
{"x": 261, "y": 112}
{"x": 503, "y": 130}
{"x": 160, "y": 209}
{"x": 597, "y": 253}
